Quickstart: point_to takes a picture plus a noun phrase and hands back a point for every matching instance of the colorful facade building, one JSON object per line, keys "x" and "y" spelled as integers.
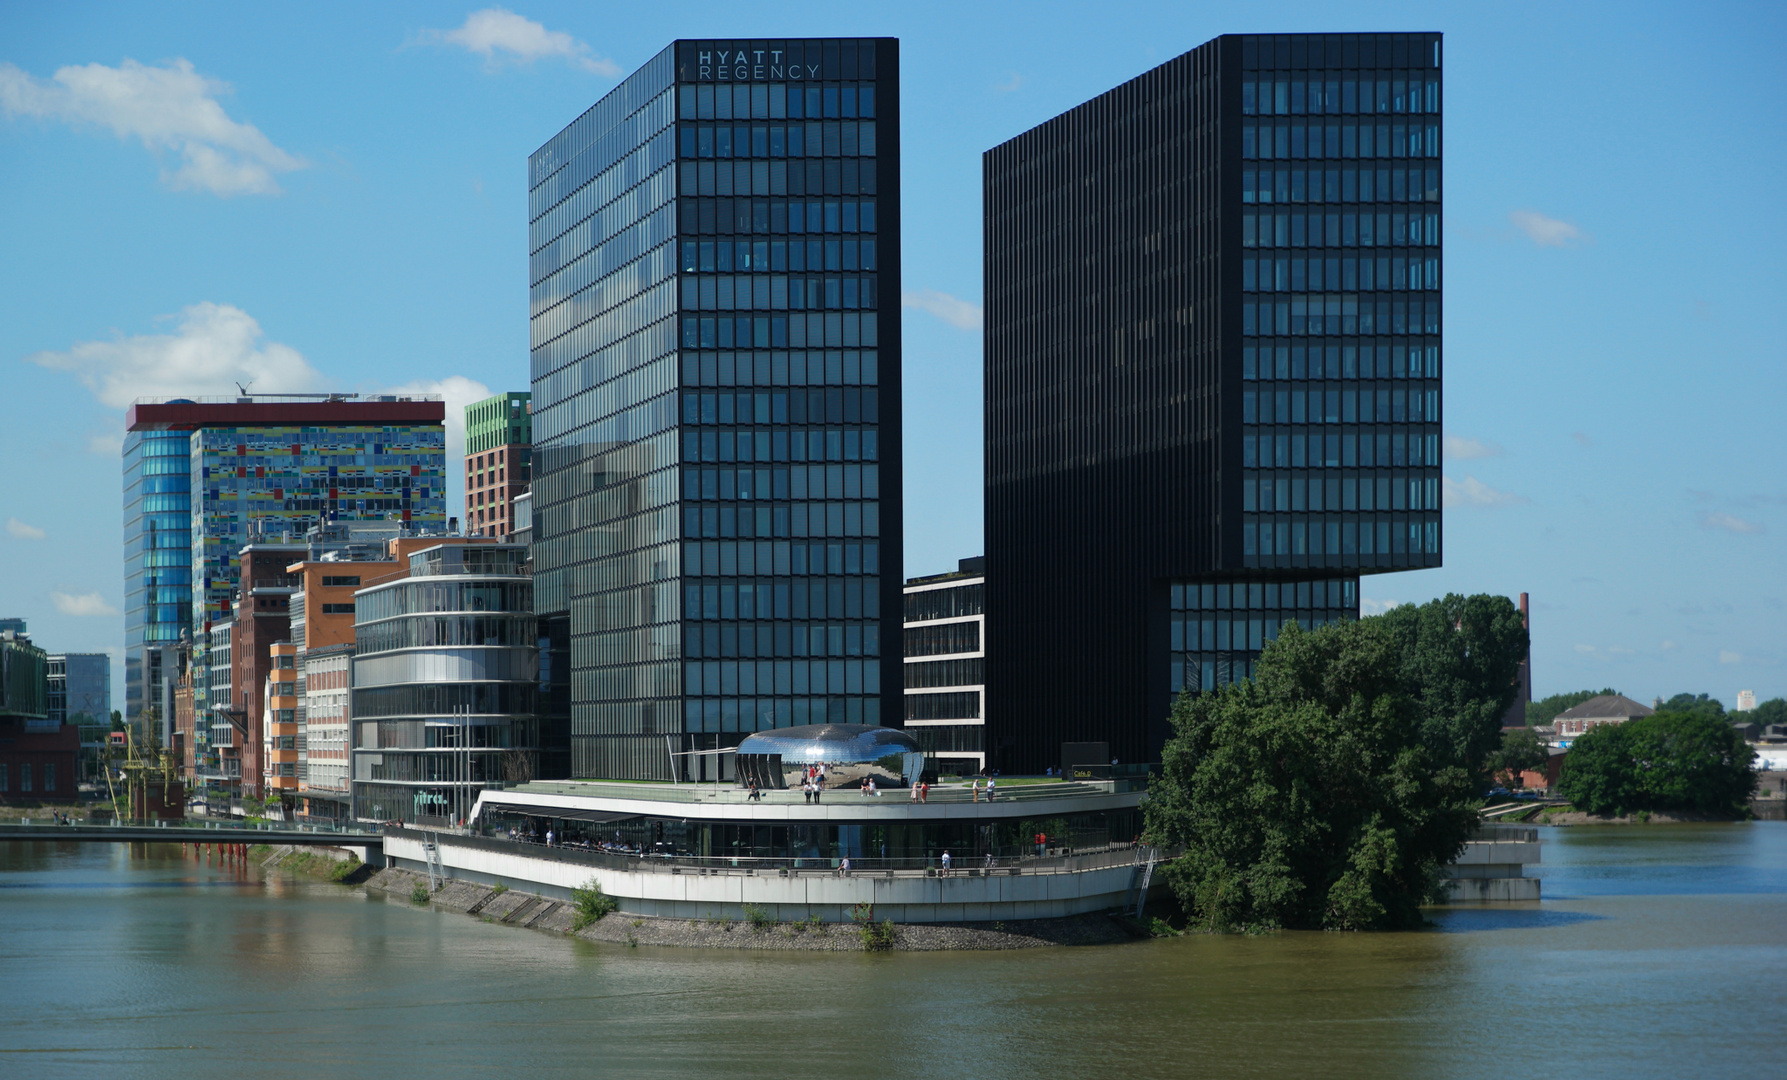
{"x": 499, "y": 441}
{"x": 197, "y": 474}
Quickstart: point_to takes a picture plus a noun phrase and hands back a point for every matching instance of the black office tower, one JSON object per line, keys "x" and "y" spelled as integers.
{"x": 716, "y": 374}
{"x": 1212, "y": 375}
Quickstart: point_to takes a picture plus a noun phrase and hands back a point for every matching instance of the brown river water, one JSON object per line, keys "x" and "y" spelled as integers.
{"x": 1658, "y": 951}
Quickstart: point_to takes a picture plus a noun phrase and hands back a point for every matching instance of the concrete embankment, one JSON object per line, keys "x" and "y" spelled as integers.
{"x": 542, "y": 913}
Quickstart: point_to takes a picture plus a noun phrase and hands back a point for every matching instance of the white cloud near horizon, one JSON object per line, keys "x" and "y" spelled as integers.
{"x": 21, "y": 531}
{"x": 84, "y": 604}
{"x": 1546, "y": 231}
{"x": 1460, "y": 448}
{"x": 1726, "y": 656}
{"x": 497, "y": 34}
{"x": 169, "y": 108}
{"x": 1473, "y": 492}
{"x": 1368, "y": 606}
{"x": 1730, "y": 523}
{"x": 961, "y": 314}
{"x": 213, "y": 347}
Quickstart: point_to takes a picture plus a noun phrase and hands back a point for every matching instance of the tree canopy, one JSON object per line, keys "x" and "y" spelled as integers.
{"x": 1331, "y": 789}
{"x": 1521, "y": 749}
{"x": 1694, "y": 703}
{"x": 1772, "y": 711}
{"x": 1668, "y": 761}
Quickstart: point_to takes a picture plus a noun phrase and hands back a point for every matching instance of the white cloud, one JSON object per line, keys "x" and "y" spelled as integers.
{"x": 961, "y": 314}
{"x": 1585, "y": 649}
{"x": 21, "y": 531}
{"x": 1582, "y": 439}
{"x": 107, "y": 443}
{"x": 1667, "y": 645}
{"x": 1459, "y": 448}
{"x": 497, "y": 34}
{"x": 168, "y": 108}
{"x": 1546, "y": 231}
{"x": 1473, "y": 492}
{"x": 1726, "y": 656}
{"x": 213, "y": 347}
{"x": 1729, "y": 523}
{"x": 1368, "y": 606}
{"x": 84, "y": 604}
{"x": 1010, "y": 85}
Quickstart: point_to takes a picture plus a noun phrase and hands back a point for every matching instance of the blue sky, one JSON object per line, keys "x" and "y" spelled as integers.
{"x": 332, "y": 197}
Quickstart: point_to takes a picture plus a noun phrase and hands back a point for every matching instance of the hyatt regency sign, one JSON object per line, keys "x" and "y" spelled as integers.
{"x": 745, "y": 65}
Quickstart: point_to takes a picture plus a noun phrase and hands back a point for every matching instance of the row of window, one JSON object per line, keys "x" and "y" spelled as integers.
{"x": 1392, "y": 273}
{"x": 1340, "y": 230}
{"x": 1207, "y": 672}
{"x": 1339, "y": 313}
{"x": 1341, "y": 92}
{"x": 820, "y": 329}
{"x": 1221, "y": 634}
{"x": 787, "y": 640}
{"x": 965, "y": 706}
{"x": 795, "y": 482}
{"x": 1294, "y": 142}
{"x": 1257, "y": 595}
{"x": 764, "y": 714}
{"x": 835, "y": 367}
{"x": 1300, "y": 491}
{"x": 726, "y": 558}
{"x": 966, "y": 672}
{"x": 779, "y": 292}
{"x": 832, "y": 405}
{"x": 1332, "y": 405}
{"x": 936, "y": 739}
{"x": 953, "y": 603}
{"x": 1354, "y": 360}
{"x": 782, "y": 444}
{"x": 811, "y": 598}
{"x": 1297, "y": 536}
{"x": 726, "y": 678}
{"x": 787, "y": 520}
{"x": 774, "y": 100}
{"x": 1346, "y": 449}
{"x": 815, "y": 138}
{"x": 942, "y": 639}
{"x": 26, "y": 782}
{"x": 712, "y": 190}
{"x": 778, "y": 256}
{"x": 1340, "y": 185}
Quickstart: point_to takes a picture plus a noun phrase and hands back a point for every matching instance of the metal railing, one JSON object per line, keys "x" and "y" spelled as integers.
{"x": 730, "y": 792}
{"x": 1058, "y": 861}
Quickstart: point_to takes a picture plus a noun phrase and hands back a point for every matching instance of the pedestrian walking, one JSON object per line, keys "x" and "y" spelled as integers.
{"x": 945, "y": 861}
{"x": 990, "y": 783}
{"x": 976, "y": 787}
{"x": 913, "y": 794}
{"x": 924, "y": 792}
{"x": 548, "y": 837}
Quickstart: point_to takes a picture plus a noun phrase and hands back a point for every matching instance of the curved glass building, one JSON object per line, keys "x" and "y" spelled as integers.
{"x": 446, "y": 670}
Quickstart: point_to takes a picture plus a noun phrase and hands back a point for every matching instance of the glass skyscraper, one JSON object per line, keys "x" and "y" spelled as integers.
{"x": 716, "y": 376}
{"x": 197, "y": 473}
{"x": 1213, "y": 374}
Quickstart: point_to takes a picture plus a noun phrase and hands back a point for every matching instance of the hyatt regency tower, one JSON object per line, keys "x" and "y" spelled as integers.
{"x": 1213, "y": 368}
{"x": 715, "y": 302}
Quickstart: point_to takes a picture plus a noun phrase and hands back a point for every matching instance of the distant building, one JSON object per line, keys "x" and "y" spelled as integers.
{"x": 945, "y": 666}
{"x": 499, "y": 441}
{"x": 80, "y": 693}
{"x": 1597, "y": 712}
{"x": 197, "y": 474}
{"x": 1746, "y": 700}
{"x": 37, "y": 755}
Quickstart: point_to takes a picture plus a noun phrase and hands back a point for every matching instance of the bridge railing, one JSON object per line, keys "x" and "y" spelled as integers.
{"x": 189, "y": 825}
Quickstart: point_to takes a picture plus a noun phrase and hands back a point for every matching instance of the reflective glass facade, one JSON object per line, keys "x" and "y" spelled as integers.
{"x": 157, "y": 557}
{"x": 1213, "y": 374}
{"x": 945, "y": 668}
{"x": 715, "y": 313}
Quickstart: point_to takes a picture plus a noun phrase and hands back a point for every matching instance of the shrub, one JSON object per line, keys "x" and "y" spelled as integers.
{"x": 878, "y": 937}
{"x": 419, "y": 894}
{"x": 591, "y": 903}
{"x": 498, "y": 889}
{"x": 759, "y": 918}
{"x": 345, "y": 869}
{"x": 1667, "y": 761}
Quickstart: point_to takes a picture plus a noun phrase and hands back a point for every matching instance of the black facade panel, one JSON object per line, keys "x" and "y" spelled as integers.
{"x": 1212, "y": 359}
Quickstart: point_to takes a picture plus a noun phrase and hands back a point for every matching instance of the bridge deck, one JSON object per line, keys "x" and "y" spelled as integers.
{"x": 210, "y": 833}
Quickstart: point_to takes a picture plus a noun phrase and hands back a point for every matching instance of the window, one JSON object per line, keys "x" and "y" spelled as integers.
{"x": 337, "y": 582}
{"x": 49, "y": 777}
{"x": 339, "y": 609}
{"x": 25, "y": 776}
{"x": 5, "y": 781}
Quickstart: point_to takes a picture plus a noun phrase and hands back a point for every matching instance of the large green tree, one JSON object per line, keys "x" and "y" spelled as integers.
{"x": 1772, "y": 711}
{"x": 1521, "y": 749}
{"x": 1331, "y": 789}
{"x": 1694, "y": 703}
{"x": 1668, "y": 761}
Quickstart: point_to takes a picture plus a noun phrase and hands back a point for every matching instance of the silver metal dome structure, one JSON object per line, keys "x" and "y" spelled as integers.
{"x": 848, "y": 752}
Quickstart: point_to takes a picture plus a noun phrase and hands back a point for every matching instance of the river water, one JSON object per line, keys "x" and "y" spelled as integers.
{"x": 1658, "y": 951}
